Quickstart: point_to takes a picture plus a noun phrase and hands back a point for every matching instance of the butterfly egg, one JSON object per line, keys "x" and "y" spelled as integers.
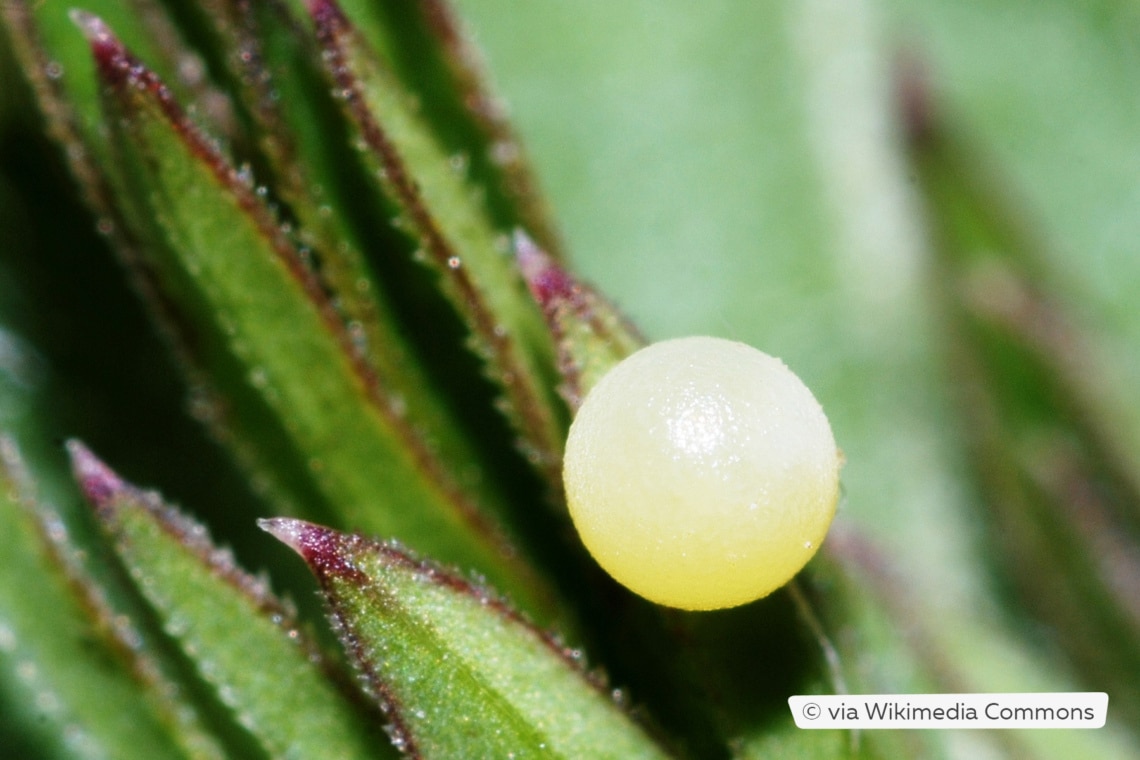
{"x": 701, "y": 473}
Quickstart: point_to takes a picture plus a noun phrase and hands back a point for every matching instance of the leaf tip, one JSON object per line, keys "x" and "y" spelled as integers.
{"x": 112, "y": 60}
{"x": 323, "y": 549}
{"x": 99, "y": 483}
{"x": 91, "y": 25}
{"x": 547, "y": 281}
{"x": 106, "y": 47}
{"x": 286, "y": 530}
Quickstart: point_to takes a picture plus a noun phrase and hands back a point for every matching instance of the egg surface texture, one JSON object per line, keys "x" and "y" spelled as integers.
{"x": 701, "y": 473}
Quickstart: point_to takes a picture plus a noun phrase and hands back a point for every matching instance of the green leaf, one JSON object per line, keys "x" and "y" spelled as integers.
{"x": 362, "y": 260}
{"x": 462, "y": 673}
{"x": 61, "y": 71}
{"x": 430, "y": 51}
{"x": 243, "y": 641}
{"x": 260, "y": 319}
{"x": 59, "y": 682}
{"x": 59, "y": 66}
{"x": 446, "y": 215}
{"x": 591, "y": 334}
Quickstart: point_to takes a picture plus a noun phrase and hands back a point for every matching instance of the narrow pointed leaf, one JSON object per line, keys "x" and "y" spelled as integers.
{"x": 273, "y": 63}
{"x": 461, "y": 673}
{"x": 259, "y": 312}
{"x": 298, "y": 121}
{"x": 446, "y": 215}
{"x": 59, "y": 67}
{"x": 431, "y": 52}
{"x": 591, "y": 334}
{"x": 244, "y": 642}
{"x": 37, "y": 399}
{"x": 75, "y": 698}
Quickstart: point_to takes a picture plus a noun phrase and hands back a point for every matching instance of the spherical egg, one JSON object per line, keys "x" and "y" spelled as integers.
{"x": 701, "y": 473}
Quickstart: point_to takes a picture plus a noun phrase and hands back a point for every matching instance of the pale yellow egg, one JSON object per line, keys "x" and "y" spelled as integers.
{"x": 701, "y": 473}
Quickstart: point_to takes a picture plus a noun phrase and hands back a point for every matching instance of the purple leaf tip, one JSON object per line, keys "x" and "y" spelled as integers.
{"x": 324, "y": 549}
{"x": 548, "y": 282}
{"x": 108, "y": 51}
{"x": 97, "y": 481}
{"x": 114, "y": 63}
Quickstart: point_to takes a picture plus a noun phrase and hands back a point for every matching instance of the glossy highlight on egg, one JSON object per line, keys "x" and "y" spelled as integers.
{"x": 701, "y": 473}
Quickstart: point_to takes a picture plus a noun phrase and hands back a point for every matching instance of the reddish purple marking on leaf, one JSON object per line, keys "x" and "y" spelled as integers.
{"x": 330, "y": 552}
{"x": 64, "y": 124}
{"x": 112, "y": 496}
{"x": 451, "y": 579}
{"x": 119, "y": 68}
{"x": 326, "y": 13}
{"x": 326, "y": 551}
{"x": 558, "y": 294}
{"x": 115, "y": 64}
{"x": 549, "y": 283}
{"x": 569, "y": 305}
{"x": 100, "y": 485}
